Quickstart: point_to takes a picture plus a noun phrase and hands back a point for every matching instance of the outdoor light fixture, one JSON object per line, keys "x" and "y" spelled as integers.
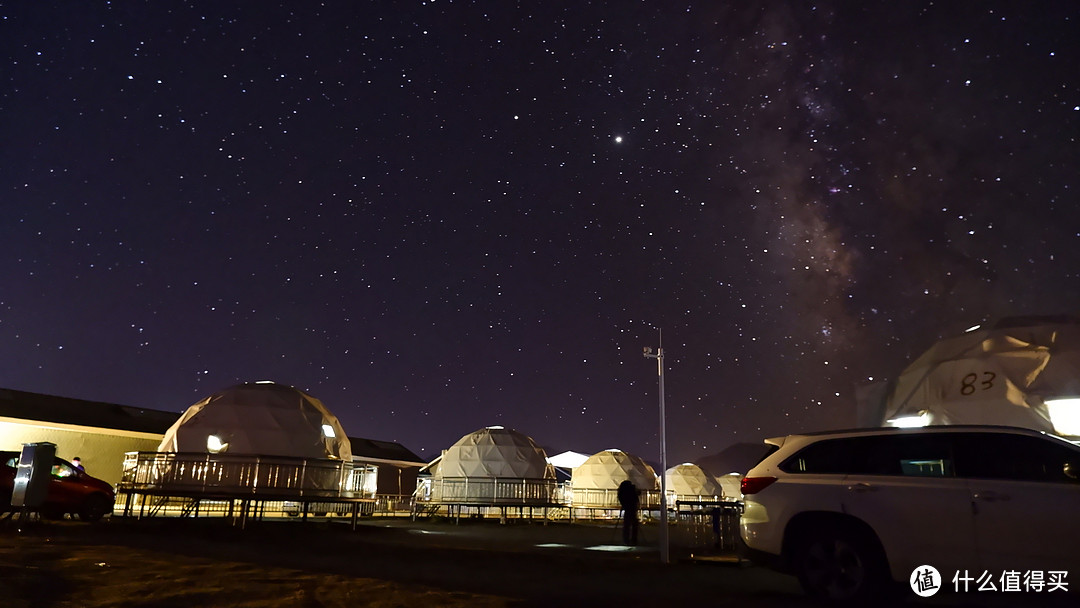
{"x": 910, "y": 422}
{"x": 328, "y": 431}
{"x": 1065, "y": 415}
{"x": 214, "y": 445}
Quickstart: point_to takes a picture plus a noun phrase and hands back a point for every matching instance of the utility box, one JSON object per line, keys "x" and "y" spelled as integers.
{"x": 33, "y": 475}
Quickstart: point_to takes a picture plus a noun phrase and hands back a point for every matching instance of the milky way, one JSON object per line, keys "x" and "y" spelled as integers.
{"x": 438, "y": 216}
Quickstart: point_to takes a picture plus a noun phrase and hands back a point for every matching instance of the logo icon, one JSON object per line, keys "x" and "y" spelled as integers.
{"x": 925, "y": 581}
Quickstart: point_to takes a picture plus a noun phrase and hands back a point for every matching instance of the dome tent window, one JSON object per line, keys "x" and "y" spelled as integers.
{"x": 1065, "y": 415}
{"x": 215, "y": 445}
{"x": 910, "y": 422}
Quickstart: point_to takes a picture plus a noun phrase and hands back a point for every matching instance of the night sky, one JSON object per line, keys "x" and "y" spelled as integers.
{"x": 440, "y": 216}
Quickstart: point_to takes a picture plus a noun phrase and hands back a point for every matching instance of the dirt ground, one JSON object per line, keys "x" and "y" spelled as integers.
{"x": 393, "y": 563}
{"x": 206, "y": 562}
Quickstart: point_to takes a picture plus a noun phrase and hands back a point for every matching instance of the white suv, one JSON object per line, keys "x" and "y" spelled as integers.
{"x": 846, "y": 510}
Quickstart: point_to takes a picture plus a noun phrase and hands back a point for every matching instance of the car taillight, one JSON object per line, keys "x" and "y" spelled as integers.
{"x": 753, "y": 485}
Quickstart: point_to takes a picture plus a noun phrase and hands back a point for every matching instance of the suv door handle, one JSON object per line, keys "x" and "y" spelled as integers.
{"x": 990, "y": 496}
{"x": 861, "y": 487}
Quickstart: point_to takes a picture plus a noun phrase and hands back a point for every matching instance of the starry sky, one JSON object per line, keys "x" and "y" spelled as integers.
{"x": 437, "y": 216}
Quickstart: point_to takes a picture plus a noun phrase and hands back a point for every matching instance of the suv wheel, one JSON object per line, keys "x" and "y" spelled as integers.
{"x": 839, "y": 565}
{"x": 95, "y": 507}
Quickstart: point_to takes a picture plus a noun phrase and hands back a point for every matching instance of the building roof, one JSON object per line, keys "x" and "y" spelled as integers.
{"x": 65, "y": 410}
{"x": 383, "y": 450}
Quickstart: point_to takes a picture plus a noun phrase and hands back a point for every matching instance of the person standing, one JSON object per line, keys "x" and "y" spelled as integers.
{"x": 628, "y": 499}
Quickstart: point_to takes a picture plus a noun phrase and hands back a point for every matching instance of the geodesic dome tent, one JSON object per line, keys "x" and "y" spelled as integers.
{"x": 493, "y": 466}
{"x": 263, "y": 418}
{"x": 495, "y": 452}
{"x": 690, "y": 482}
{"x": 732, "y": 485}
{"x": 1022, "y": 371}
{"x": 596, "y": 481}
{"x": 606, "y": 470}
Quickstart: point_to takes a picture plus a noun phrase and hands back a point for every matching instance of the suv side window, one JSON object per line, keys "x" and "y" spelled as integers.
{"x": 829, "y": 456}
{"x": 1016, "y": 457}
{"x": 914, "y": 455}
{"x": 900, "y": 455}
{"x": 768, "y": 452}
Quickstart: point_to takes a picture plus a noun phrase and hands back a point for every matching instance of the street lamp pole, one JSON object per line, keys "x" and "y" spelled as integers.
{"x": 659, "y": 356}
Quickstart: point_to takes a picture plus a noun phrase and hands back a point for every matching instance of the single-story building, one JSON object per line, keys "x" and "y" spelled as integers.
{"x": 98, "y": 433}
{"x": 397, "y": 466}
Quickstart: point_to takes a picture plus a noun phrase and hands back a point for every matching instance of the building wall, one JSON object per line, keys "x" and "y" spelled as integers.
{"x": 101, "y": 450}
{"x": 396, "y": 480}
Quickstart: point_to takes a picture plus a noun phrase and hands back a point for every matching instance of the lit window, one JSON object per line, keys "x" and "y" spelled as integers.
{"x": 328, "y": 431}
{"x": 910, "y": 422}
{"x": 214, "y": 445}
{"x": 1065, "y": 415}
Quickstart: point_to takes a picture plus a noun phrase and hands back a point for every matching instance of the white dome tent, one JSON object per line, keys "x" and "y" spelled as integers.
{"x": 689, "y": 482}
{"x": 254, "y": 443}
{"x": 261, "y": 418}
{"x": 493, "y": 466}
{"x": 596, "y": 481}
{"x": 732, "y": 485}
{"x": 495, "y": 452}
{"x": 1023, "y": 371}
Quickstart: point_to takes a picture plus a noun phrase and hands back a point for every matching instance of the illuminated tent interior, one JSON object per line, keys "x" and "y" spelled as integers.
{"x": 1022, "y": 371}
{"x": 691, "y": 482}
{"x": 261, "y": 418}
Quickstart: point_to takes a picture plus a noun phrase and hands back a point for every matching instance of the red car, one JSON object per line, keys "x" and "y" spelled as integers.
{"x": 70, "y": 491}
